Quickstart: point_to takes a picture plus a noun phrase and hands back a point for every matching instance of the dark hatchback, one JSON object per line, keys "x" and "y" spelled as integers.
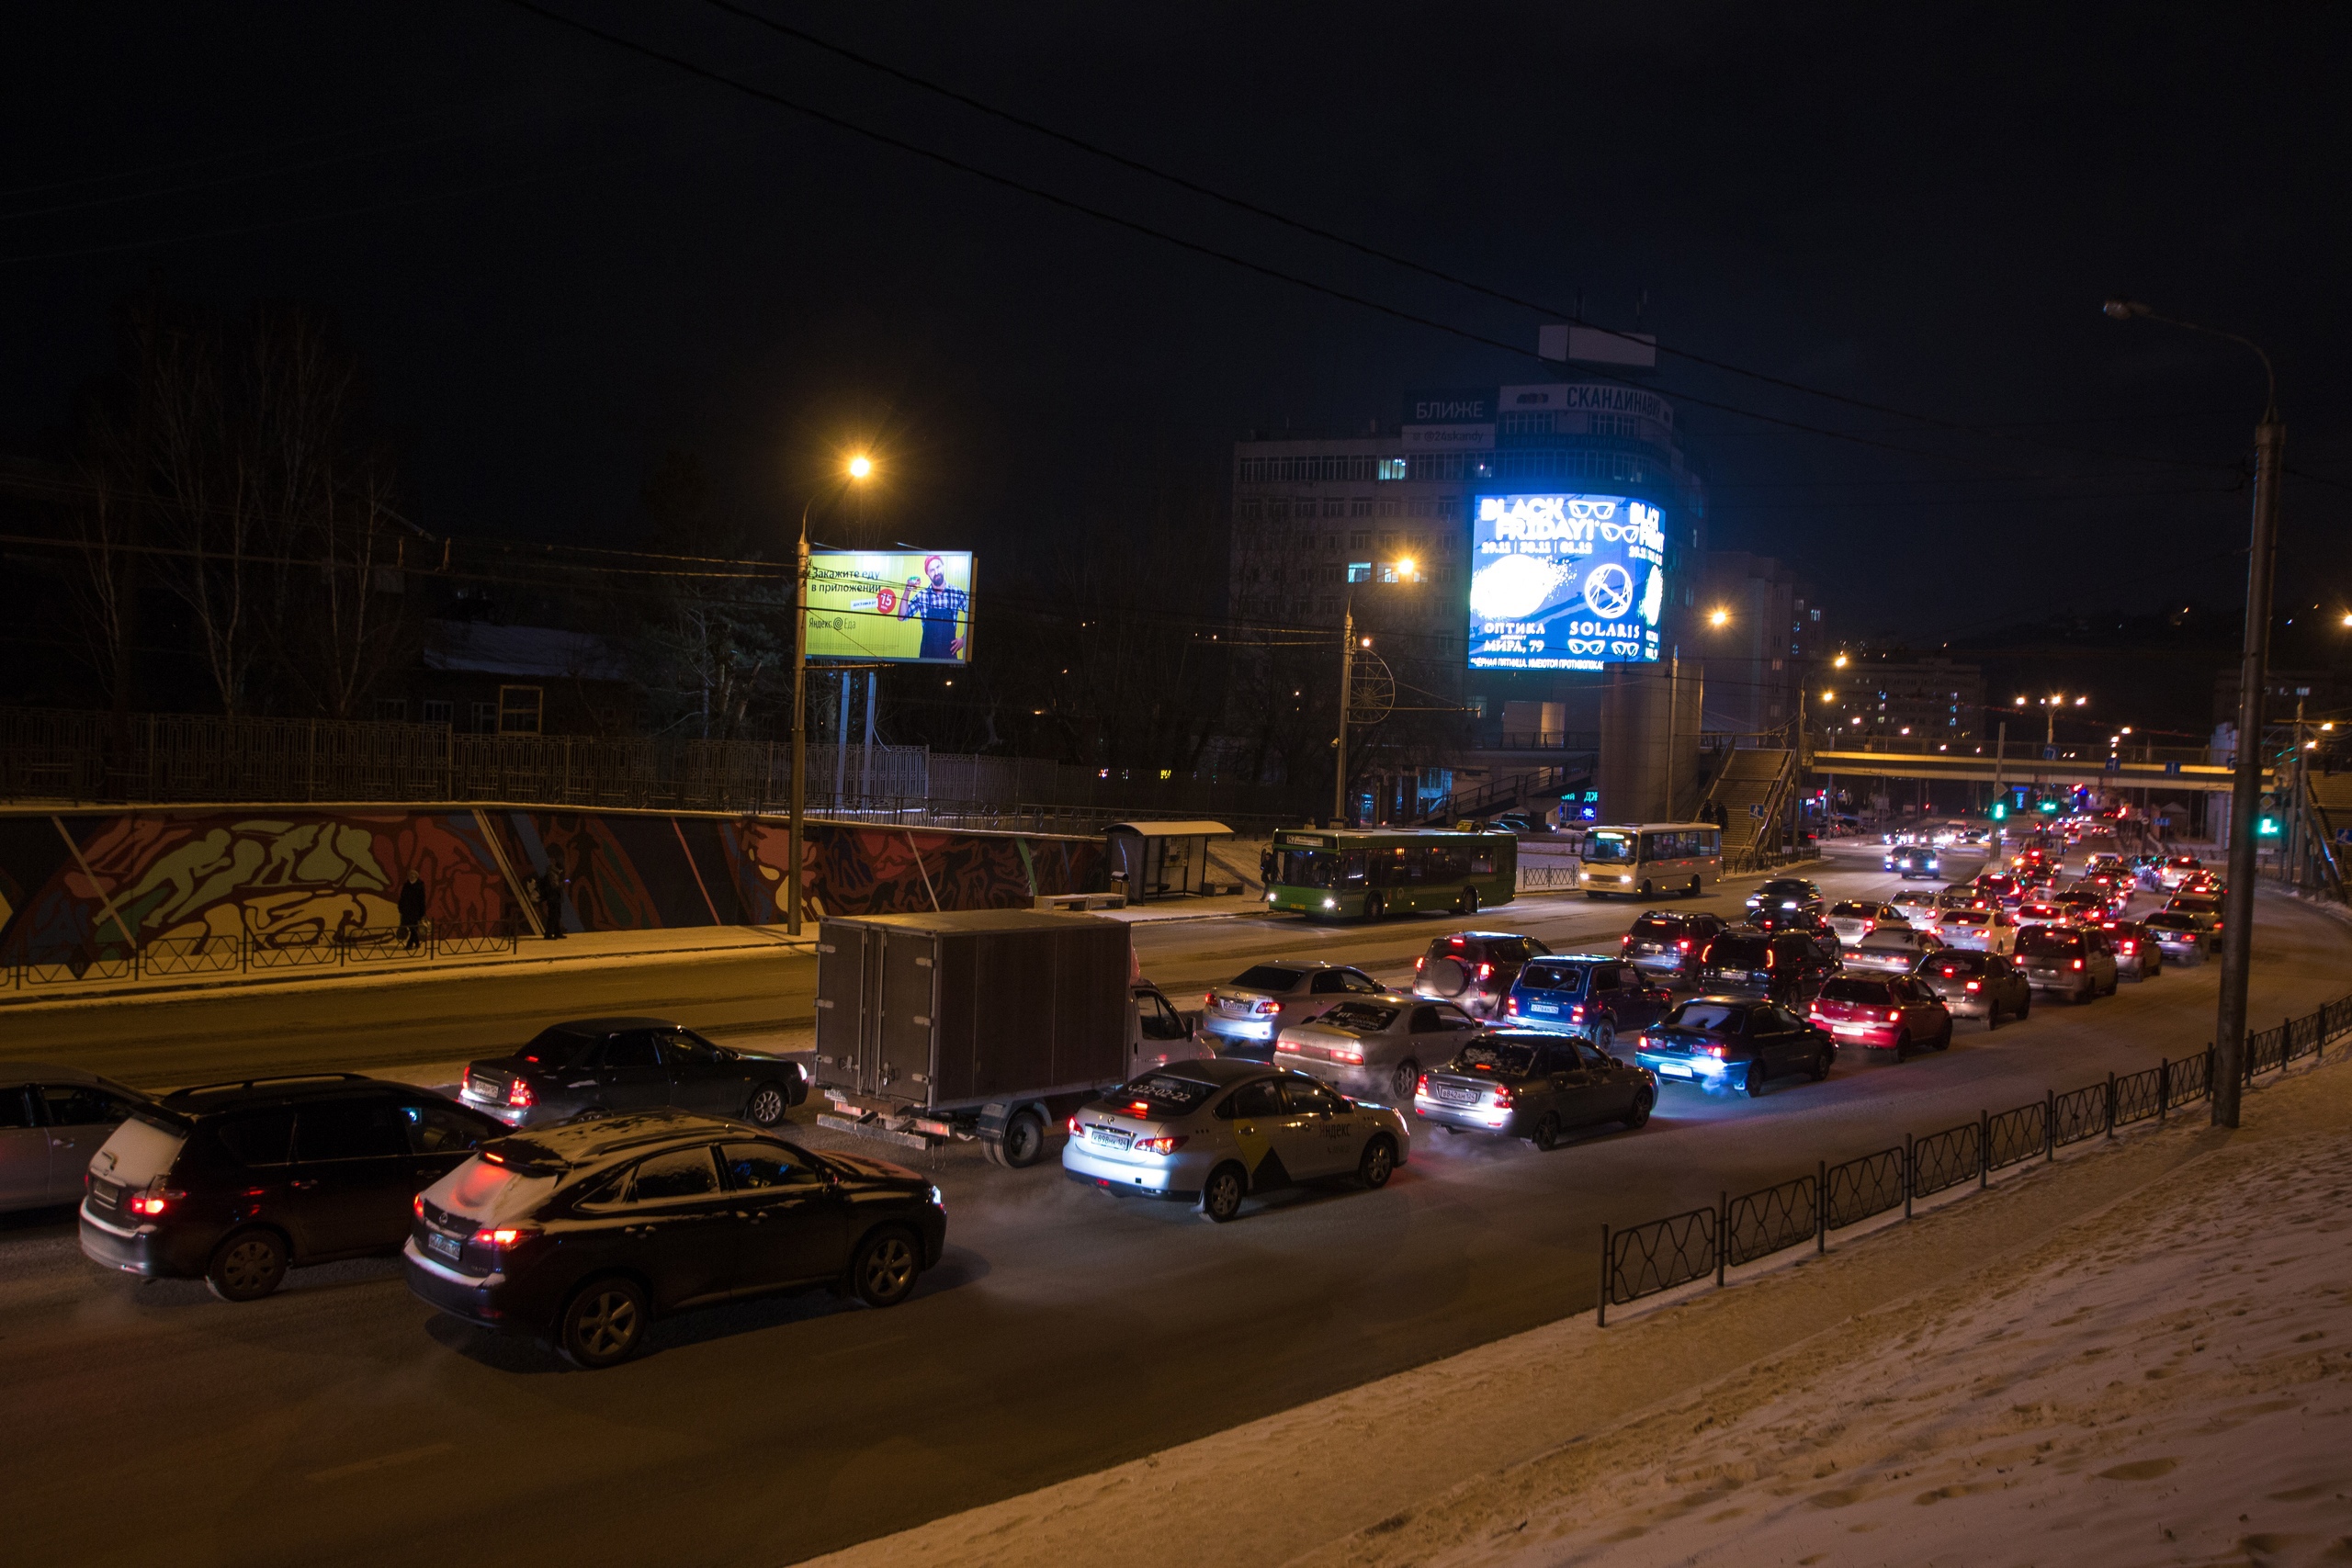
{"x": 1534, "y": 1087}
{"x": 1474, "y": 970}
{"x": 1977, "y": 985}
{"x": 1733, "y": 1043}
{"x": 1588, "y": 995}
{"x": 613, "y": 1064}
{"x": 585, "y": 1232}
{"x": 1669, "y": 942}
{"x": 1787, "y": 965}
{"x": 233, "y": 1182}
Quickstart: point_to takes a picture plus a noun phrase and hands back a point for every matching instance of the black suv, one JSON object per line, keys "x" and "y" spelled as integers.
{"x": 1786, "y": 898}
{"x": 233, "y": 1182}
{"x": 1785, "y": 966}
{"x": 1669, "y": 942}
{"x": 608, "y": 1065}
{"x": 584, "y": 1232}
{"x": 1474, "y": 970}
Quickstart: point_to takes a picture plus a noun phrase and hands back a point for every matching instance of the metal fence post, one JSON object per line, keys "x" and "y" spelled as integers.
{"x": 2049, "y": 1126}
{"x": 2111, "y": 1103}
{"x": 1601, "y": 1318}
{"x": 1723, "y": 1235}
{"x": 2164, "y": 1088}
{"x": 1910, "y": 1177}
{"x": 1821, "y": 1206}
{"x": 1983, "y": 1149}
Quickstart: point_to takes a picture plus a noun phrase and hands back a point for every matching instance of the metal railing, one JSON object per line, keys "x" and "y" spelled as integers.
{"x": 245, "y": 952}
{"x": 1641, "y": 1260}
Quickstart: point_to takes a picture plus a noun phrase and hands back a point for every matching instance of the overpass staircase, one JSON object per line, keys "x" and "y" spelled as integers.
{"x": 1751, "y": 792}
{"x": 1500, "y": 794}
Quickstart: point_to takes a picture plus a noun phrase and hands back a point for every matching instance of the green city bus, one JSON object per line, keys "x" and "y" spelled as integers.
{"x": 1364, "y": 874}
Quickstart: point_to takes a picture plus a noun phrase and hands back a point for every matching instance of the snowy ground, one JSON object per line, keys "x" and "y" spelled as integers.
{"x": 2160, "y": 1378}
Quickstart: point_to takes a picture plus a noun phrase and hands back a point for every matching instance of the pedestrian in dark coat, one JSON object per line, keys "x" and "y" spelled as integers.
{"x": 412, "y": 910}
{"x": 551, "y": 903}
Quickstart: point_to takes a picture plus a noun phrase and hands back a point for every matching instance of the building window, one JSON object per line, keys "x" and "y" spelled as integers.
{"x": 1388, "y": 509}
{"x": 1335, "y": 508}
{"x": 1331, "y": 606}
{"x": 1359, "y": 507}
{"x": 1359, "y": 571}
{"x": 391, "y": 710}
{"x": 519, "y": 709}
{"x": 485, "y": 719}
{"x": 1251, "y": 511}
{"x": 439, "y": 713}
{"x": 1390, "y": 468}
{"x": 1388, "y": 537}
{"x": 1358, "y": 539}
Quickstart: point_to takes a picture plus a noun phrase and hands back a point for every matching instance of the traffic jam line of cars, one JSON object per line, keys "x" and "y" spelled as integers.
{"x": 616, "y": 1170}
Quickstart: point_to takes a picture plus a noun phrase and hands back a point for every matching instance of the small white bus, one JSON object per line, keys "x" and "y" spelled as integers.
{"x": 1647, "y": 859}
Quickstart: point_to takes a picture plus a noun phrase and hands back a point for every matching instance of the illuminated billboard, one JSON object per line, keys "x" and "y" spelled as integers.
{"x": 1565, "y": 582}
{"x": 891, "y": 606}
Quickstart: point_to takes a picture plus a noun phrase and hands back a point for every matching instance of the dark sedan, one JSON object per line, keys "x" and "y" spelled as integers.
{"x": 606, "y": 1066}
{"x": 587, "y": 1233}
{"x": 1534, "y": 1087}
{"x": 1733, "y": 1043}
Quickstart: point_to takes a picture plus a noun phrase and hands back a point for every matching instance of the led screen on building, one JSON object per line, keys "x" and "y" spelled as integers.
{"x": 1565, "y": 582}
{"x": 895, "y": 606}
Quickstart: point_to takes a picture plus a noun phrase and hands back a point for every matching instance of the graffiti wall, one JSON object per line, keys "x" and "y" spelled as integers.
{"x": 96, "y": 881}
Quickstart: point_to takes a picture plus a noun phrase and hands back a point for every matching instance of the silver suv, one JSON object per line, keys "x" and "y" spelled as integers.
{"x": 1243, "y": 1016}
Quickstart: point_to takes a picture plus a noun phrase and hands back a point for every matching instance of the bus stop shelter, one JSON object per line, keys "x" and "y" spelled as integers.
{"x": 1162, "y": 860}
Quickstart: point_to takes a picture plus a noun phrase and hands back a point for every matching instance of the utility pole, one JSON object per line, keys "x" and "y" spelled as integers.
{"x": 1347, "y": 671}
{"x": 857, "y": 468}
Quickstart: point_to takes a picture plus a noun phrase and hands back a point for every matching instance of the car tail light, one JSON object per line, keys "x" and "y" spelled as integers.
{"x": 504, "y": 1238}
{"x": 2128, "y": 947}
{"x": 1625, "y": 941}
{"x": 1486, "y": 971}
{"x": 1208, "y": 998}
{"x": 1973, "y": 985}
{"x": 1419, "y": 963}
{"x": 2078, "y": 964}
{"x": 1895, "y": 1017}
{"x": 1503, "y": 1097}
{"x": 1166, "y": 1146}
{"x": 1355, "y": 1057}
{"x": 1264, "y": 1006}
{"x": 1071, "y": 1124}
{"x": 1683, "y": 946}
{"x": 419, "y": 1204}
{"x": 1421, "y": 1084}
{"x": 1575, "y": 1013}
{"x": 154, "y": 1199}
{"x": 1512, "y": 1006}
{"x": 1716, "y": 1052}
{"x": 518, "y": 1093}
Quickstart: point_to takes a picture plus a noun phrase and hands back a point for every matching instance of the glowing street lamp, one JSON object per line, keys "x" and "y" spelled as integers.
{"x": 1402, "y": 570}
{"x": 1719, "y": 619}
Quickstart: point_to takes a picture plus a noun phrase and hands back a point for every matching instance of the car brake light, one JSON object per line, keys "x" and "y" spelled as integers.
{"x": 1486, "y": 971}
{"x": 420, "y": 1205}
{"x": 1267, "y": 1006}
{"x": 1575, "y": 1013}
{"x": 1454, "y": 942}
{"x": 1512, "y": 1006}
{"x": 1420, "y": 962}
{"x": 1503, "y": 1097}
{"x": 1895, "y": 1018}
{"x": 1071, "y": 1124}
{"x": 2078, "y": 964}
{"x": 2129, "y": 948}
{"x": 1421, "y": 1084}
{"x": 1683, "y": 946}
{"x": 1208, "y": 998}
{"x": 518, "y": 1093}
{"x": 1716, "y": 1052}
{"x": 1973, "y": 985}
{"x": 1355, "y": 1057}
{"x": 1166, "y": 1146}
{"x": 503, "y": 1238}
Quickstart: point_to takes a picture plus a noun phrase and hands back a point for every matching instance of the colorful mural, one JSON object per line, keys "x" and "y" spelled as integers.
{"x": 299, "y": 876}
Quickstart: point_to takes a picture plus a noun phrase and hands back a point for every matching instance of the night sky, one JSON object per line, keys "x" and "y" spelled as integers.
{"x": 561, "y": 259}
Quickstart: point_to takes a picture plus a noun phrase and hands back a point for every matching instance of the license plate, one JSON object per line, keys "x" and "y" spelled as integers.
{"x": 1454, "y": 1096}
{"x": 1668, "y": 1069}
{"x": 1545, "y": 1006}
{"x": 1850, "y": 1028}
{"x": 447, "y": 1245}
{"x": 1110, "y": 1137}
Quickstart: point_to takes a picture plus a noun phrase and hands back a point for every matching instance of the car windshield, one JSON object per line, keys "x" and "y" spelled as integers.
{"x": 1359, "y": 1017}
{"x": 556, "y": 1049}
{"x": 1958, "y": 965}
{"x": 1738, "y": 952}
{"x": 1553, "y": 977}
{"x": 1851, "y": 910}
{"x": 2165, "y": 921}
{"x": 2197, "y": 906}
{"x": 1505, "y": 1057}
{"x": 1267, "y": 977}
{"x": 1885, "y": 940}
{"x": 2048, "y": 939}
{"x": 1873, "y": 992}
{"x": 1656, "y": 930}
{"x": 1167, "y": 1094}
{"x": 1607, "y": 846}
{"x": 1968, "y": 918}
{"x": 1704, "y": 1015}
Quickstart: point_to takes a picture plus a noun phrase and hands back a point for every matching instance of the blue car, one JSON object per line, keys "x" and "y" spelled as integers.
{"x": 1595, "y": 996}
{"x": 1734, "y": 1043}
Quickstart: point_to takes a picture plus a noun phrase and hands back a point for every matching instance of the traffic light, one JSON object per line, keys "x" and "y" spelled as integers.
{"x": 2267, "y": 822}
{"x": 2048, "y": 806}
{"x": 2000, "y": 811}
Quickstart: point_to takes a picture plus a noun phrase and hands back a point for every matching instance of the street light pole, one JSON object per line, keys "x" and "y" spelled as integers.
{"x": 1347, "y": 675}
{"x": 857, "y": 468}
{"x": 2245, "y": 787}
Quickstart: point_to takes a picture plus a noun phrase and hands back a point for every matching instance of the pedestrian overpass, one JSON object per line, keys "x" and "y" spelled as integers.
{"x": 2094, "y": 771}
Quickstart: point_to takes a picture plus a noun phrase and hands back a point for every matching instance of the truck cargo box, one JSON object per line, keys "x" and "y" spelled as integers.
{"x": 943, "y": 1011}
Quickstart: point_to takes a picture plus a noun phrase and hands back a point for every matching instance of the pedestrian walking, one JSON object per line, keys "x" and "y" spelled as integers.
{"x": 550, "y": 890}
{"x": 1266, "y": 868}
{"x": 412, "y": 910}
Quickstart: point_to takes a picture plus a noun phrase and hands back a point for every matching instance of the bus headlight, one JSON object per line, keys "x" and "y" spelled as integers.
{"x": 1330, "y": 903}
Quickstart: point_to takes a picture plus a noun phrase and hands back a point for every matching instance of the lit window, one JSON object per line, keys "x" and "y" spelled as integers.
{"x": 1390, "y": 468}
{"x": 1359, "y": 571}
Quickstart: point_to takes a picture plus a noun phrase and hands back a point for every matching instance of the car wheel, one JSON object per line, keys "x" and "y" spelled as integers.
{"x": 1695, "y": 888}
{"x": 1903, "y": 1047}
{"x": 1644, "y": 1103}
{"x": 1754, "y": 1082}
{"x": 247, "y": 1265}
{"x": 1821, "y": 1066}
{"x": 768, "y": 1104}
{"x": 1378, "y": 1164}
{"x": 1402, "y": 1082}
{"x": 1025, "y": 1140}
{"x": 1604, "y": 1039}
{"x": 1649, "y": 889}
{"x": 604, "y": 1324}
{"x": 1547, "y": 1133}
{"x": 2025, "y": 1007}
{"x": 1371, "y": 906}
{"x": 1221, "y": 1195}
{"x": 2083, "y": 997}
{"x": 884, "y": 1269}
{"x": 1468, "y": 903}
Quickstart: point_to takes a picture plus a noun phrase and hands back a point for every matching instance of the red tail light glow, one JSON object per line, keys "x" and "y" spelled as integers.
{"x": 420, "y": 1205}
{"x": 1683, "y": 946}
{"x": 1503, "y": 1097}
{"x": 2078, "y": 964}
{"x": 1716, "y": 1052}
{"x": 1421, "y": 1084}
{"x": 1512, "y": 1006}
{"x": 518, "y": 1093}
{"x": 1072, "y": 1126}
{"x": 1975, "y": 984}
{"x": 1486, "y": 971}
{"x": 503, "y": 1237}
{"x": 1166, "y": 1146}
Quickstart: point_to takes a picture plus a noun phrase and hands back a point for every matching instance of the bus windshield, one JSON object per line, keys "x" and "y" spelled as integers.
{"x": 1608, "y": 846}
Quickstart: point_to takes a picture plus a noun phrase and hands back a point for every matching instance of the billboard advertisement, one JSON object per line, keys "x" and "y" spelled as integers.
{"x": 890, "y": 606}
{"x": 1565, "y": 582}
